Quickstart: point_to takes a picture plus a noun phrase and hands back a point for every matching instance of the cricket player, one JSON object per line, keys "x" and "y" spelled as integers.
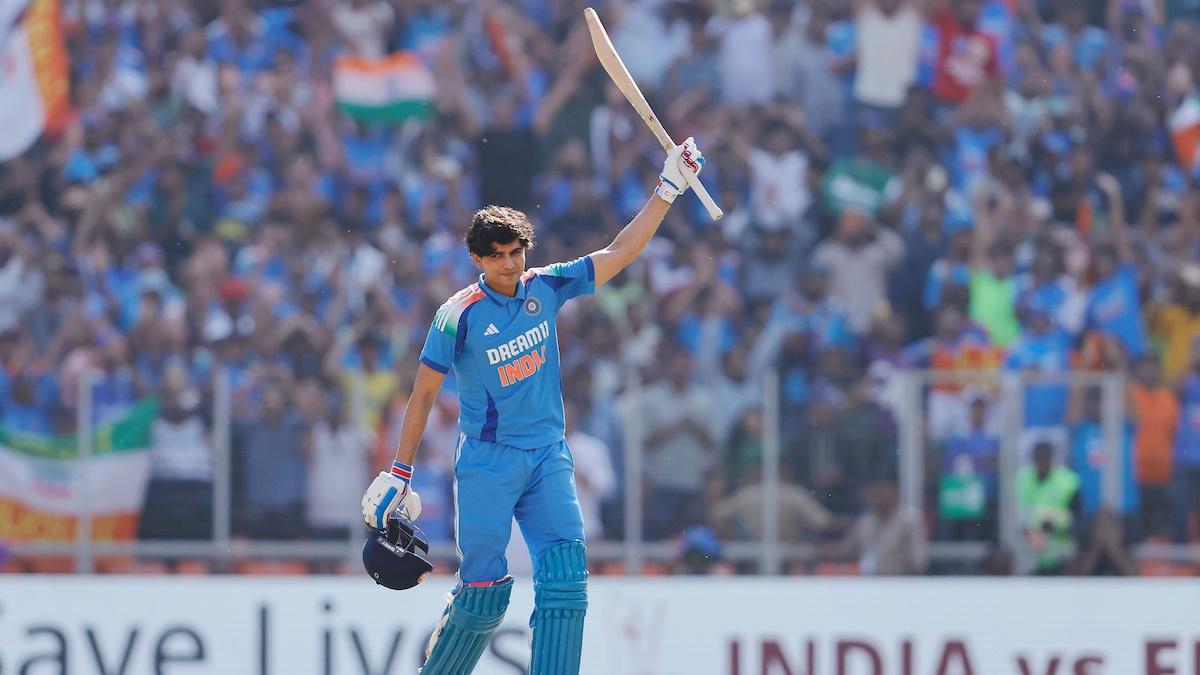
{"x": 499, "y": 336}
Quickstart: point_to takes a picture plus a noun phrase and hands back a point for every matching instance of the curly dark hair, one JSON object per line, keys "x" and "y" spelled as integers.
{"x": 499, "y": 225}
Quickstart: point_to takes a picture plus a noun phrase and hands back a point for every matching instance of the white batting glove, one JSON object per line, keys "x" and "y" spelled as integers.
{"x": 389, "y": 491}
{"x": 683, "y": 157}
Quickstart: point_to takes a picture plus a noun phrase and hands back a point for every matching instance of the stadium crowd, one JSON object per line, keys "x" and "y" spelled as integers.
{"x": 945, "y": 185}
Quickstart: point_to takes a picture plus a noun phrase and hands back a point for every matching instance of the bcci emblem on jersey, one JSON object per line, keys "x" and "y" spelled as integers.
{"x": 533, "y": 306}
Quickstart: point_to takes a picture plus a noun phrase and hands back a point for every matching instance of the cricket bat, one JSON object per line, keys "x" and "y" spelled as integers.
{"x": 620, "y": 76}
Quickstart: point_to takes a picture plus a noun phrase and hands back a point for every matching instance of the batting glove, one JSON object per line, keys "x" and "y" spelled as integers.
{"x": 683, "y": 157}
{"x": 388, "y": 492}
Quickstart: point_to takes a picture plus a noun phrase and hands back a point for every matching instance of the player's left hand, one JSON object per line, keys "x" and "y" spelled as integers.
{"x": 672, "y": 182}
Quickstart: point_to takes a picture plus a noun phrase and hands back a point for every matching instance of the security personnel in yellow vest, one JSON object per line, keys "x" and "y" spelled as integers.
{"x": 1048, "y": 499}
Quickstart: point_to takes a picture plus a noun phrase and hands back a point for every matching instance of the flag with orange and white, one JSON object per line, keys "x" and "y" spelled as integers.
{"x": 34, "y": 83}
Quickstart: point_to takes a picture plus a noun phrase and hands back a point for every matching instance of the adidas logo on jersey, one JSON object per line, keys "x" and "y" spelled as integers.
{"x": 491, "y": 329}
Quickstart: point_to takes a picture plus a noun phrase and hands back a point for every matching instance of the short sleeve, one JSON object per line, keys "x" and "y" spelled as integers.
{"x": 446, "y": 333}
{"x": 570, "y": 279}
{"x": 438, "y": 352}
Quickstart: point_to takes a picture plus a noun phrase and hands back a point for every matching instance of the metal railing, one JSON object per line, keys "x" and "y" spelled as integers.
{"x": 1011, "y": 403}
{"x": 769, "y": 555}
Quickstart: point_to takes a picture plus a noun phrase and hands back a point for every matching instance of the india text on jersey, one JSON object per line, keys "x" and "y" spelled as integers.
{"x": 515, "y": 363}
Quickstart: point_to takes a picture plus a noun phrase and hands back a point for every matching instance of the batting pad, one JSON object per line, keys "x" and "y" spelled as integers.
{"x": 467, "y": 624}
{"x": 560, "y": 603}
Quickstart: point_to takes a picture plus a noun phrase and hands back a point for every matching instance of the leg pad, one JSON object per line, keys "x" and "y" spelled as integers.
{"x": 560, "y": 598}
{"x": 466, "y": 626}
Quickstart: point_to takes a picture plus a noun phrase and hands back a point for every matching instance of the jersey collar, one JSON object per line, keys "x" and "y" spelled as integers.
{"x": 500, "y": 298}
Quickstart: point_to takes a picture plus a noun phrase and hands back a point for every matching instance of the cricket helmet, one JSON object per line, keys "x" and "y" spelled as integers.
{"x": 397, "y": 556}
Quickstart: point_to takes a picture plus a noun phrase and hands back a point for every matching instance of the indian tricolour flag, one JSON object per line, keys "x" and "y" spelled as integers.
{"x": 41, "y": 477}
{"x": 393, "y": 88}
{"x": 34, "y": 80}
{"x": 1185, "y": 132}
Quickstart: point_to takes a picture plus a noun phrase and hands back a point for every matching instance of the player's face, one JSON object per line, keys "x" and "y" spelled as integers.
{"x": 503, "y": 267}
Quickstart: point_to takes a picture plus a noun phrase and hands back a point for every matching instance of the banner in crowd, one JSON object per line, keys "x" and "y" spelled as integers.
{"x": 857, "y": 184}
{"x": 635, "y": 626}
{"x": 34, "y": 78}
{"x": 40, "y": 480}
{"x": 391, "y": 89}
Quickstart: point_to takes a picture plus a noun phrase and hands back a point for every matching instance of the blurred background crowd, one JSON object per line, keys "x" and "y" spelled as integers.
{"x": 946, "y": 185}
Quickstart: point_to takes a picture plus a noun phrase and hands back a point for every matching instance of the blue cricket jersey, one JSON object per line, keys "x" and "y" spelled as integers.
{"x": 504, "y": 352}
{"x": 1045, "y": 402}
{"x": 1187, "y": 437}
{"x": 1116, "y": 310}
{"x": 1087, "y": 459}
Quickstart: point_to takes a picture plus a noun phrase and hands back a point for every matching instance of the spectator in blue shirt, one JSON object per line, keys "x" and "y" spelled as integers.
{"x": 821, "y": 319}
{"x": 1086, "y": 43}
{"x": 969, "y": 463}
{"x": 239, "y": 38}
{"x": 1048, "y": 286}
{"x": 114, "y": 389}
{"x": 270, "y": 469}
{"x": 1115, "y": 309}
{"x": 1088, "y": 454}
{"x": 952, "y": 270}
{"x": 27, "y": 401}
{"x": 1185, "y": 484}
{"x": 923, "y": 247}
{"x": 1043, "y": 350}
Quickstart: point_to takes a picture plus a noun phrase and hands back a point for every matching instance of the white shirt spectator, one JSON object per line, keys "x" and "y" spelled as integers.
{"x": 21, "y": 288}
{"x": 594, "y": 479}
{"x": 777, "y": 194}
{"x": 364, "y": 26}
{"x": 97, "y": 13}
{"x": 126, "y": 83}
{"x": 640, "y": 346}
{"x": 1026, "y": 115}
{"x": 647, "y": 45}
{"x": 181, "y": 450}
{"x": 816, "y": 85}
{"x": 858, "y": 276}
{"x": 607, "y": 127}
{"x": 786, "y": 52}
{"x": 681, "y": 461}
{"x": 286, "y": 107}
{"x": 337, "y": 471}
{"x": 891, "y": 547}
{"x": 195, "y": 81}
{"x": 744, "y": 60}
{"x": 736, "y": 397}
{"x": 888, "y": 48}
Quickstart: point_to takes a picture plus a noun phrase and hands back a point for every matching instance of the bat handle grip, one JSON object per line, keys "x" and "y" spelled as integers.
{"x": 706, "y": 199}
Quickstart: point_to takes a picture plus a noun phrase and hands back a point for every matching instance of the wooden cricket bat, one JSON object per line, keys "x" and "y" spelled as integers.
{"x": 620, "y": 76}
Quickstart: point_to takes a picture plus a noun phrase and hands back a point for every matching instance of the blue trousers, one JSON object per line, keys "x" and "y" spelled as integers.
{"x": 493, "y": 483}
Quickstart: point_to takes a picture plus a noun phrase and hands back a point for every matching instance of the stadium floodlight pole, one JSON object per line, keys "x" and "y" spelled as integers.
{"x": 620, "y": 76}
